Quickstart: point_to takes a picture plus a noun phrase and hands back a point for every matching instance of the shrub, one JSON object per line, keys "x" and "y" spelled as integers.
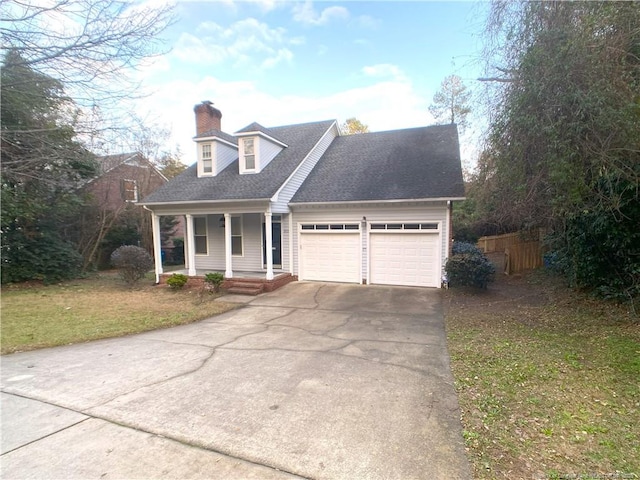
{"x": 599, "y": 249}
{"x": 465, "y": 247}
{"x": 469, "y": 269}
{"x": 46, "y": 257}
{"x": 132, "y": 262}
{"x": 177, "y": 280}
{"x": 214, "y": 279}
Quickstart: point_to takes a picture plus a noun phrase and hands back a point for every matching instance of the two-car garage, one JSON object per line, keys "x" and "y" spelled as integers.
{"x": 391, "y": 253}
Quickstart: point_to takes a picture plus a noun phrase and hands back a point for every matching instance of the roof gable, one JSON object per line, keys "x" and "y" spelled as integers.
{"x": 415, "y": 163}
{"x": 230, "y": 185}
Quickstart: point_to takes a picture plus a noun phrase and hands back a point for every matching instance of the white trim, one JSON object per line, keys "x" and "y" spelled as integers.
{"x": 448, "y": 231}
{"x": 135, "y": 190}
{"x": 241, "y": 218}
{"x": 216, "y": 139}
{"x": 291, "y": 243}
{"x": 242, "y": 156}
{"x": 312, "y": 150}
{"x": 191, "y": 246}
{"x": 261, "y": 134}
{"x": 157, "y": 245}
{"x": 268, "y": 235}
{"x": 206, "y": 235}
{"x": 437, "y": 232}
{"x": 228, "y": 271}
{"x": 359, "y": 232}
{"x": 355, "y": 202}
{"x": 403, "y": 224}
{"x": 200, "y": 202}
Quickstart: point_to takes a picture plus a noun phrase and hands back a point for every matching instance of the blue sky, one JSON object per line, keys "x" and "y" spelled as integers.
{"x": 290, "y": 62}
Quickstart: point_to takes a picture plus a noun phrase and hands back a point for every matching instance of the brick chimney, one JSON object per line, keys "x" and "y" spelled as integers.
{"x": 207, "y": 117}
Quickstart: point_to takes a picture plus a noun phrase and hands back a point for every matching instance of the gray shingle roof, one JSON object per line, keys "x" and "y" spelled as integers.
{"x": 218, "y": 133}
{"x": 415, "y": 163}
{"x": 230, "y": 185}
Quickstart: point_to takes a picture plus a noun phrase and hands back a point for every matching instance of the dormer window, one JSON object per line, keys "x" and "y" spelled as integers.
{"x": 207, "y": 161}
{"x": 258, "y": 146}
{"x": 249, "y": 154}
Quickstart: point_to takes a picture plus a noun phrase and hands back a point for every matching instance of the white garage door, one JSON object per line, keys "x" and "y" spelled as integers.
{"x": 408, "y": 258}
{"x": 330, "y": 256}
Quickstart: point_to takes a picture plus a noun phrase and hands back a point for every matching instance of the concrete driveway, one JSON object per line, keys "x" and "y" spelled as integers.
{"x": 320, "y": 381}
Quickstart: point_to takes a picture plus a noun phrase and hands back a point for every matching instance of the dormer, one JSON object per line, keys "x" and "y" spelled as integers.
{"x": 216, "y": 149}
{"x": 257, "y": 146}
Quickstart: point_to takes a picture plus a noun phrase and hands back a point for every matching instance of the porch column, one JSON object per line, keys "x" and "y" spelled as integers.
{"x": 185, "y": 244}
{"x": 157, "y": 245}
{"x": 228, "y": 269}
{"x": 191, "y": 248}
{"x": 269, "y": 244}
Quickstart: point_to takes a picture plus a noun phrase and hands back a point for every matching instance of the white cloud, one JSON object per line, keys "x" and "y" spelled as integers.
{"x": 265, "y": 5}
{"x": 383, "y": 70}
{"x": 305, "y": 13}
{"x": 367, "y": 21}
{"x": 243, "y": 43}
{"x": 385, "y": 105}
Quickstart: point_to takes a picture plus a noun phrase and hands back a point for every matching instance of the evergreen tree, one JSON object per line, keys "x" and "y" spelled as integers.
{"x": 42, "y": 165}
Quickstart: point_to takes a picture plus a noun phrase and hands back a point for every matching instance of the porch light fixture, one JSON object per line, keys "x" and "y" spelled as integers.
{"x": 221, "y": 222}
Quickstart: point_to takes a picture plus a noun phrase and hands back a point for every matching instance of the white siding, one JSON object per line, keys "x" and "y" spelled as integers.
{"x": 285, "y": 243}
{"x": 223, "y": 156}
{"x": 389, "y": 212}
{"x": 265, "y": 152}
{"x": 291, "y": 186}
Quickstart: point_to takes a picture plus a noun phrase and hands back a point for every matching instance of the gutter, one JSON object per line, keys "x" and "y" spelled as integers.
{"x": 400, "y": 200}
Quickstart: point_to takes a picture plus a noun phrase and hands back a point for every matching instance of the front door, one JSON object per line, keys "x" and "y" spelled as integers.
{"x": 276, "y": 240}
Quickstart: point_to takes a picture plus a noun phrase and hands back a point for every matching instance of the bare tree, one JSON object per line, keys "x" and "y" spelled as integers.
{"x": 87, "y": 45}
{"x": 451, "y": 102}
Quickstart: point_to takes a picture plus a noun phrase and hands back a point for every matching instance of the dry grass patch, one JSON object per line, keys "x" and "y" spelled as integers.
{"x": 37, "y": 316}
{"x": 548, "y": 381}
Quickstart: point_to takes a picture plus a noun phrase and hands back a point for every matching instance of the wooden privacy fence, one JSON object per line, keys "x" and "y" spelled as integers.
{"x": 521, "y": 252}
{"x": 498, "y": 243}
{"x": 522, "y": 256}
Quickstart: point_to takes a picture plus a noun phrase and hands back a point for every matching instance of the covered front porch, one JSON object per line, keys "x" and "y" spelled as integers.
{"x": 244, "y": 242}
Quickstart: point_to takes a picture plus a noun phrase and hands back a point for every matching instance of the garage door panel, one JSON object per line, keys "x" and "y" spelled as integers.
{"x": 332, "y": 257}
{"x": 405, "y": 259}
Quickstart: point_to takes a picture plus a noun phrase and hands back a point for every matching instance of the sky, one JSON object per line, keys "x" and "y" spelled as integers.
{"x": 280, "y": 63}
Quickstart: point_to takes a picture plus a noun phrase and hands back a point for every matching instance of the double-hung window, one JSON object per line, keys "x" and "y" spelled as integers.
{"x": 129, "y": 190}
{"x": 249, "y": 154}
{"x": 236, "y": 236}
{"x": 207, "y": 161}
{"x": 200, "y": 235}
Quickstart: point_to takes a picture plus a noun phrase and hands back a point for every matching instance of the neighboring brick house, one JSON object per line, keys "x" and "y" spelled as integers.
{"x": 122, "y": 180}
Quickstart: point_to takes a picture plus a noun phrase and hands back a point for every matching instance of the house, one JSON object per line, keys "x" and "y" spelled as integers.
{"x": 371, "y": 208}
{"x": 121, "y": 181}
{"x": 124, "y": 179}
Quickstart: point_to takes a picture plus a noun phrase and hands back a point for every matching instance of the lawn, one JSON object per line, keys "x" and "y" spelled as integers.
{"x": 37, "y": 316}
{"x": 548, "y": 380}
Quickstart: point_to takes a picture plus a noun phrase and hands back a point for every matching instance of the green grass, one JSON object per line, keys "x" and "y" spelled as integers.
{"x": 547, "y": 388}
{"x": 37, "y": 316}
